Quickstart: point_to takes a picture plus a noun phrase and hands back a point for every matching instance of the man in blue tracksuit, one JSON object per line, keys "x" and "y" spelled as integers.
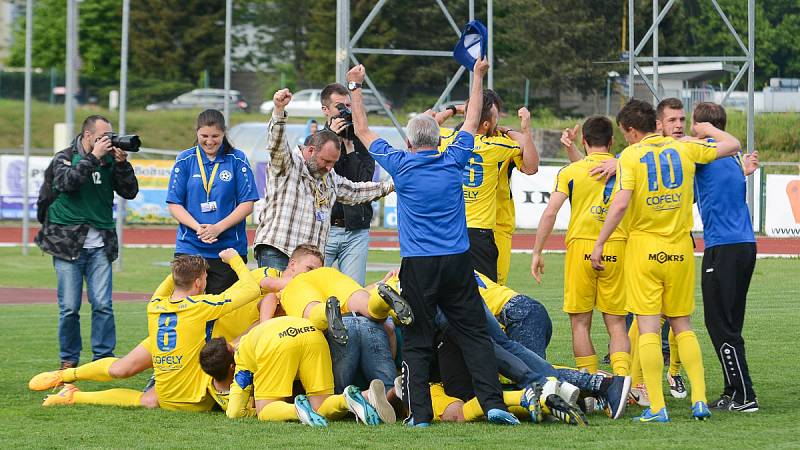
{"x": 728, "y": 262}
{"x": 436, "y": 269}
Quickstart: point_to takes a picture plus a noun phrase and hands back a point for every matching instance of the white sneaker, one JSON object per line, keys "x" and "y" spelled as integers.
{"x": 376, "y": 396}
{"x": 639, "y": 395}
{"x": 360, "y": 407}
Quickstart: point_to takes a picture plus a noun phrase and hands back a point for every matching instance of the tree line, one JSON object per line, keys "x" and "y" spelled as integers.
{"x": 555, "y": 44}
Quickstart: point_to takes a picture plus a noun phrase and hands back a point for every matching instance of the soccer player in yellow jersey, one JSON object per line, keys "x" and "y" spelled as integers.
{"x": 268, "y": 360}
{"x": 180, "y": 319}
{"x": 505, "y": 218}
{"x": 316, "y": 296}
{"x": 655, "y": 179}
{"x": 481, "y": 175}
{"x": 584, "y": 288}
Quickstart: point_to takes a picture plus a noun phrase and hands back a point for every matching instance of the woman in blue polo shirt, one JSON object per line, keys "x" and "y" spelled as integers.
{"x": 211, "y": 193}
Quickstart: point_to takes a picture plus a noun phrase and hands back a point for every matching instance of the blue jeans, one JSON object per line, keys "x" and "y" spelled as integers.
{"x": 269, "y": 256}
{"x": 527, "y": 322}
{"x": 367, "y": 350}
{"x": 349, "y": 248}
{"x": 94, "y": 266}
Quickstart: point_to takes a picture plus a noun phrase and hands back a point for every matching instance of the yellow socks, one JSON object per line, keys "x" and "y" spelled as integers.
{"x": 652, "y": 366}
{"x": 692, "y": 360}
{"x": 334, "y": 407}
{"x": 111, "y": 397}
{"x": 278, "y": 411}
{"x": 93, "y": 371}
{"x": 587, "y": 362}
{"x": 472, "y": 410}
{"x": 674, "y": 355}
{"x": 378, "y": 309}
{"x": 620, "y": 363}
{"x": 636, "y": 366}
{"x": 317, "y": 317}
{"x": 512, "y": 398}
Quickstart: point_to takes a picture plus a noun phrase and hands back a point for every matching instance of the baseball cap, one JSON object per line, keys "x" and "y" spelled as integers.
{"x": 473, "y": 42}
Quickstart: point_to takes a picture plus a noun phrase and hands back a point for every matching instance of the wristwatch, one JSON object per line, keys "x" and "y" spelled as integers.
{"x": 352, "y": 85}
{"x": 453, "y": 109}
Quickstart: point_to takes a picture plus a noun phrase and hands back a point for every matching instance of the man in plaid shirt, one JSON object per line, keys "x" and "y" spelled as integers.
{"x": 301, "y": 190}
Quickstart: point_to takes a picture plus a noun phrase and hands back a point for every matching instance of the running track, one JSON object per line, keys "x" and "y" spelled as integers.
{"x": 387, "y": 240}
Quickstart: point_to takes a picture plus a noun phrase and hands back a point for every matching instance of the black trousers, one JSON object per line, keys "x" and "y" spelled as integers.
{"x": 446, "y": 282}
{"x": 727, "y": 270}
{"x": 220, "y": 275}
{"x": 483, "y": 251}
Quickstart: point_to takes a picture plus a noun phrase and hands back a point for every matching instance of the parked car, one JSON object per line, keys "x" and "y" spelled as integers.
{"x": 307, "y": 103}
{"x": 202, "y": 99}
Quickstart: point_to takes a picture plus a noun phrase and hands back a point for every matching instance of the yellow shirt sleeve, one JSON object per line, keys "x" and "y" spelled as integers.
{"x": 625, "y": 170}
{"x": 562, "y": 181}
{"x": 241, "y": 293}
{"x": 505, "y": 147}
{"x": 164, "y": 289}
{"x": 701, "y": 152}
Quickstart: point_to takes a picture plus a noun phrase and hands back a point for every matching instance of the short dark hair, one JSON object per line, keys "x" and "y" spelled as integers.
{"x": 669, "y": 102}
{"x": 216, "y": 358}
{"x": 322, "y": 137}
{"x": 711, "y": 113}
{"x": 88, "y": 123}
{"x": 598, "y": 131}
{"x": 333, "y": 88}
{"x": 490, "y": 98}
{"x": 307, "y": 249}
{"x": 186, "y": 269}
{"x": 639, "y": 115}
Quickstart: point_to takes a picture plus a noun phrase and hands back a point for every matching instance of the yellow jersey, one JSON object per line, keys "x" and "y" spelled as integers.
{"x": 660, "y": 172}
{"x": 589, "y": 198}
{"x": 506, "y": 214}
{"x": 178, "y": 330}
{"x": 494, "y": 295}
{"x": 480, "y": 177}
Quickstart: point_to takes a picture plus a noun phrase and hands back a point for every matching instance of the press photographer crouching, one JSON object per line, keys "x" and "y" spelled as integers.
{"x": 78, "y": 230}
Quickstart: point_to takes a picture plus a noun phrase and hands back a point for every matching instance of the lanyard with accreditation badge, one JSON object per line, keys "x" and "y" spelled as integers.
{"x": 208, "y": 205}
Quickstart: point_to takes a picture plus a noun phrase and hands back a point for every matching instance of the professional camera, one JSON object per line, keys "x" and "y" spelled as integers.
{"x": 348, "y": 132}
{"x": 128, "y": 142}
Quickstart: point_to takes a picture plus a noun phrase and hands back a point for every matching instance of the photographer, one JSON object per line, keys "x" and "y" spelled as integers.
{"x": 348, "y": 239}
{"x": 79, "y": 232}
{"x": 211, "y": 192}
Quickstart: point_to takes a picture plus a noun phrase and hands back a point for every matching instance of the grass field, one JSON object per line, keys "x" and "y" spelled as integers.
{"x": 30, "y": 333}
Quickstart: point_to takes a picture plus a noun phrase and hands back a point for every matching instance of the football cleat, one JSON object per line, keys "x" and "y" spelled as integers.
{"x": 530, "y": 401}
{"x": 410, "y": 423}
{"x": 700, "y": 411}
{"x": 677, "y": 388}
{"x": 359, "y": 406}
{"x": 336, "y": 327}
{"x": 64, "y": 397}
{"x": 376, "y": 396}
{"x": 46, "y": 380}
{"x": 616, "y": 396}
{"x": 725, "y": 402}
{"x": 398, "y": 387}
{"x": 563, "y": 411}
{"x": 397, "y": 303}
{"x": 639, "y": 395}
{"x": 648, "y": 416}
{"x": 306, "y": 413}
{"x": 501, "y": 417}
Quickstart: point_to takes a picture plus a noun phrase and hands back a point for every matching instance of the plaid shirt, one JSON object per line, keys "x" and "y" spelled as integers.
{"x": 289, "y": 217}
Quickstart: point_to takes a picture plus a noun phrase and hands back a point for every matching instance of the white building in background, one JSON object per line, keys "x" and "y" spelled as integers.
{"x": 10, "y": 12}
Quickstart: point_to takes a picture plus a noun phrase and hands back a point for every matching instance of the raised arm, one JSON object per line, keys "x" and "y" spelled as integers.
{"x": 727, "y": 144}
{"x": 277, "y": 146}
{"x": 165, "y": 288}
{"x": 475, "y": 97}
{"x": 360, "y": 124}
{"x": 568, "y": 137}
{"x": 239, "y": 397}
{"x": 241, "y": 293}
{"x": 530, "y": 156}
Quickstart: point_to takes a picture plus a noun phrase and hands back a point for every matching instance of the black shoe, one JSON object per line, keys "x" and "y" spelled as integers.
{"x": 336, "y": 327}
{"x": 397, "y": 303}
{"x": 565, "y": 412}
{"x": 725, "y": 402}
{"x": 68, "y": 365}
{"x": 606, "y": 359}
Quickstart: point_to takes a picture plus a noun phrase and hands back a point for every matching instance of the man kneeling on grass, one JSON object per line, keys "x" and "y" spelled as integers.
{"x": 266, "y": 363}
